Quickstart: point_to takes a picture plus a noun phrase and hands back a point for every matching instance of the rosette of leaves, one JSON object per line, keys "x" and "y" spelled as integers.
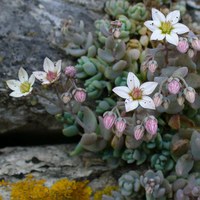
{"x": 134, "y": 155}
{"x": 129, "y": 184}
{"x": 138, "y": 12}
{"x": 88, "y": 67}
{"x": 104, "y": 29}
{"x": 112, "y": 55}
{"x": 162, "y": 161}
{"x": 186, "y": 189}
{"x": 104, "y": 105}
{"x": 117, "y": 7}
{"x": 79, "y": 42}
{"x": 156, "y": 187}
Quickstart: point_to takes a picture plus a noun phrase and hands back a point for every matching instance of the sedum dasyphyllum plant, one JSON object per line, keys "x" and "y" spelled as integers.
{"x": 132, "y": 97}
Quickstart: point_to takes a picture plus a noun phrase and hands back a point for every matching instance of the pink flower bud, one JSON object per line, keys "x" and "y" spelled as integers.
{"x": 190, "y": 53}
{"x": 138, "y": 132}
{"x": 190, "y": 93}
{"x": 120, "y": 125}
{"x": 183, "y": 45}
{"x": 174, "y": 86}
{"x": 151, "y": 125}
{"x": 109, "y": 119}
{"x": 158, "y": 99}
{"x": 70, "y": 71}
{"x": 66, "y": 97}
{"x": 79, "y": 95}
{"x": 196, "y": 44}
{"x": 152, "y": 66}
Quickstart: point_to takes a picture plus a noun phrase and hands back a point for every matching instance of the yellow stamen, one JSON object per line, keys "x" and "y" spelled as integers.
{"x": 166, "y": 27}
{"x": 25, "y": 87}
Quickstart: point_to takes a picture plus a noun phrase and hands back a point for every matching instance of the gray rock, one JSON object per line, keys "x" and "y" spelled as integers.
{"x": 28, "y": 32}
{"x": 52, "y": 163}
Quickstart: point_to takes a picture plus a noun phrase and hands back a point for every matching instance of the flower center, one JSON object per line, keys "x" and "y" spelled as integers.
{"x": 136, "y": 94}
{"x": 51, "y": 76}
{"x": 166, "y": 27}
{"x": 25, "y": 87}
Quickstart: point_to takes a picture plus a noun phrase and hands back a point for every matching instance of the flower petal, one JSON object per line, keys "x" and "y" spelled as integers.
{"x": 150, "y": 25}
{"x": 22, "y": 74}
{"x": 31, "y": 80}
{"x": 13, "y": 84}
{"x": 173, "y": 17}
{"x": 157, "y": 35}
{"x": 157, "y": 15}
{"x": 180, "y": 28}
{"x": 172, "y": 38}
{"x": 147, "y": 102}
{"x": 48, "y": 65}
{"x": 58, "y": 66}
{"x": 132, "y": 81}
{"x": 130, "y": 104}
{"x": 16, "y": 94}
{"x": 122, "y": 91}
{"x": 40, "y": 75}
{"x": 148, "y": 87}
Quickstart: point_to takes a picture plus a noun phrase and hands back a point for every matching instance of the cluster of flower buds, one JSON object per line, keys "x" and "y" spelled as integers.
{"x": 175, "y": 87}
{"x": 115, "y": 28}
{"x": 150, "y": 124}
{"x": 110, "y": 120}
{"x": 189, "y": 45}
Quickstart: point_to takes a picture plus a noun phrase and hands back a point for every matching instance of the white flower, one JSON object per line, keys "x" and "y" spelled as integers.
{"x": 23, "y": 86}
{"x": 51, "y": 72}
{"x": 166, "y": 27}
{"x": 136, "y": 94}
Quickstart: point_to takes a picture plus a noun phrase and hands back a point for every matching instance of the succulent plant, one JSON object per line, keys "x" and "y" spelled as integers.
{"x": 131, "y": 156}
{"x": 116, "y": 7}
{"x": 138, "y": 12}
{"x": 104, "y": 105}
{"x": 129, "y": 184}
{"x": 79, "y": 42}
{"x": 186, "y": 189}
{"x": 155, "y": 185}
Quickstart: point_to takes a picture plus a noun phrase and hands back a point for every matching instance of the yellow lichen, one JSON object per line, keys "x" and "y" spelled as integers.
{"x": 32, "y": 189}
{"x": 70, "y": 190}
{"x": 105, "y": 191}
{"x": 29, "y": 189}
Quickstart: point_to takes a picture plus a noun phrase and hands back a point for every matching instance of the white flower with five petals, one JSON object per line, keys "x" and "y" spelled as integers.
{"x": 136, "y": 94}
{"x": 51, "y": 72}
{"x": 23, "y": 86}
{"x": 166, "y": 27}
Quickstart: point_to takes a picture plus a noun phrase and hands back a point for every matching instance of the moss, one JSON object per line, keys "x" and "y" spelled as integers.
{"x": 33, "y": 189}
{"x": 105, "y": 191}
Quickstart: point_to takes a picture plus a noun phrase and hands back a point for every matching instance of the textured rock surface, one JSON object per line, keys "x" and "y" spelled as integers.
{"x": 52, "y": 163}
{"x": 28, "y": 30}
